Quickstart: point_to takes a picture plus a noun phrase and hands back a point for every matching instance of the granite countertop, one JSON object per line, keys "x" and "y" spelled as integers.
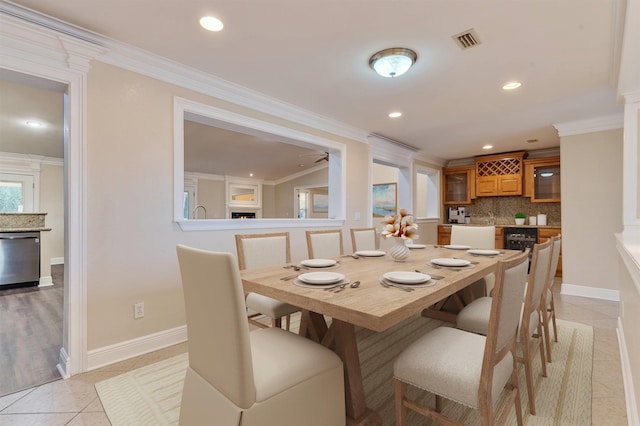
{"x": 24, "y": 229}
{"x": 511, "y": 225}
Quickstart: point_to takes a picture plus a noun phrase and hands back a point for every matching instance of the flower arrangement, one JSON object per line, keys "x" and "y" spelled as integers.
{"x": 400, "y": 226}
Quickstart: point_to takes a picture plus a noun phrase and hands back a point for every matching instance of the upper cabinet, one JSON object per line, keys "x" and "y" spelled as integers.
{"x": 500, "y": 174}
{"x": 542, "y": 179}
{"x": 458, "y": 184}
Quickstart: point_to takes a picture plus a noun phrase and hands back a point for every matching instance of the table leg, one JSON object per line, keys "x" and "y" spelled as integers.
{"x": 341, "y": 338}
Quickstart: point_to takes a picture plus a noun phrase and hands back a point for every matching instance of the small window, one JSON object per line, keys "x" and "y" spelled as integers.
{"x": 16, "y": 193}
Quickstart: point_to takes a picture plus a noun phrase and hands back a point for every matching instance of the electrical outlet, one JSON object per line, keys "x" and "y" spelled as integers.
{"x": 138, "y": 310}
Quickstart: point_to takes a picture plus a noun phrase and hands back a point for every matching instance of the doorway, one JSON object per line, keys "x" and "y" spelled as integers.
{"x": 32, "y": 318}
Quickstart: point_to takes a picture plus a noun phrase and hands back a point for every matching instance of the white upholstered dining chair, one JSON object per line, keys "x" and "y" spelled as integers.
{"x": 364, "y": 239}
{"x": 466, "y": 367}
{"x": 548, "y": 306}
{"x": 475, "y": 316}
{"x": 258, "y": 250}
{"x": 239, "y": 377}
{"x": 325, "y": 243}
{"x": 478, "y": 237}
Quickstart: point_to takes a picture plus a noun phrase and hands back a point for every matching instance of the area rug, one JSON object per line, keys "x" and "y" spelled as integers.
{"x": 151, "y": 395}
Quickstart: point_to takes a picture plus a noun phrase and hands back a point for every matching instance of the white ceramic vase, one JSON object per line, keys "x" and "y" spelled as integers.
{"x": 399, "y": 252}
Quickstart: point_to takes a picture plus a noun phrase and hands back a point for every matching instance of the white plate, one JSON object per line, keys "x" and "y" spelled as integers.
{"x": 370, "y": 253}
{"x": 318, "y": 263}
{"x": 330, "y": 285}
{"x": 483, "y": 252}
{"x": 457, "y": 247}
{"x": 450, "y": 262}
{"x": 417, "y": 246}
{"x": 320, "y": 277}
{"x": 406, "y": 277}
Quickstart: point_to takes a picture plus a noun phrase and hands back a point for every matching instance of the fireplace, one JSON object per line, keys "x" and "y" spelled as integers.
{"x": 243, "y": 215}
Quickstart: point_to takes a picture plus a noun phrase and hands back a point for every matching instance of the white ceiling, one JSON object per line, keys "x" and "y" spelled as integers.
{"x": 314, "y": 54}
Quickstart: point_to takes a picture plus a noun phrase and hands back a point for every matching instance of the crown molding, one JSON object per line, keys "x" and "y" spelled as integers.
{"x": 598, "y": 124}
{"x": 75, "y": 40}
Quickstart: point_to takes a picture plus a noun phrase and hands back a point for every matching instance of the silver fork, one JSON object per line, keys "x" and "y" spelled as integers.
{"x": 385, "y": 283}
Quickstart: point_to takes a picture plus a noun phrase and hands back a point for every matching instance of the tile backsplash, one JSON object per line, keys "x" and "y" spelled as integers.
{"x": 504, "y": 209}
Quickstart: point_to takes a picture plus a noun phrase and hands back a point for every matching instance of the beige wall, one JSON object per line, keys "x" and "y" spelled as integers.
{"x": 211, "y": 195}
{"x": 591, "y": 166}
{"x": 131, "y": 236}
{"x": 52, "y": 203}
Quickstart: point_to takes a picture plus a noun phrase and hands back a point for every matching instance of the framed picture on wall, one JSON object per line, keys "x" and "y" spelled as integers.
{"x": 320, "y": 203}
{"x": 385, "y": 199}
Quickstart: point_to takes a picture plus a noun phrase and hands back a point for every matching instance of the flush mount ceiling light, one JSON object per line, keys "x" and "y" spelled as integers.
{"x": 395, "y": 114}
{"x": 211, "y": 23}
{"x": 511, "y": 85}
{"x": 393, "y": 62}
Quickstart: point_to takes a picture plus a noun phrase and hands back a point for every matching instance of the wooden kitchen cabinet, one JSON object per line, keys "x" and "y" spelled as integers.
{"x": 500, "y": 174}
{"x": 444, "y": 235}
{"x": 543, "y": 235}
{"x": 458, "y": 185}
{"x": 542, "y": 180}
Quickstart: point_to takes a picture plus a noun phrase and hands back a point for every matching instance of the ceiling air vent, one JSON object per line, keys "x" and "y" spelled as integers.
{"x": 466, "y": 39}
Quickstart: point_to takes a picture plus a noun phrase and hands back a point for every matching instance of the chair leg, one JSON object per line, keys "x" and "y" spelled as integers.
{"x": 516, "y": 386}
{"x": 543, "y": 361}
{"x": 288, "y": 322}
{"x": 400, "y": 389}
{"x": 438, "y": 403}
{"x": 525, "y": 340}
{"x": 553, "y": 319}
{"x": 547, "y": 339}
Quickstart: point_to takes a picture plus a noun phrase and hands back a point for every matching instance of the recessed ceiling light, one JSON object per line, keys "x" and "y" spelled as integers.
{"x": 251, "y": 174}
{"x": 211, "y": 23}
{"x": 511, "y": 85}
{"x": 487, "y": 147}
{"x": 395, "y": 114}
{"x": 32, "y": 123}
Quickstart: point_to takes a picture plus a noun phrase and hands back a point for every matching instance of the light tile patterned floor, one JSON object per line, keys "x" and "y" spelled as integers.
{"x": 74, "y": 402}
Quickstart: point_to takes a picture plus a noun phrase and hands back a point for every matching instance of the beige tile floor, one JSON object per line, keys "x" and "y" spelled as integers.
{"x": 74, "y": 402}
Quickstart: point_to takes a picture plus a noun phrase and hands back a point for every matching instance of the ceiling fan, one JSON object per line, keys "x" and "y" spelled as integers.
{"x": 324, "y": 156}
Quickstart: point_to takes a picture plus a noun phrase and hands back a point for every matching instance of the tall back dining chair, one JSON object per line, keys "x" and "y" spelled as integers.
{"x": 475, "y": 316}
{"x": 364, "y": 239}
{"x": 236, "y": 376}
{"x": 468, "y": 368}
{"x": 479, "y": 237}
{"x": 323, "y": 244}
{"x": 258, "y": 250}
{"x": 548, "y": 308}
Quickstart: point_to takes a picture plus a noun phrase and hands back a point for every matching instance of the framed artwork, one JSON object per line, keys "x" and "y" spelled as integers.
{"x": 385, "y": 201}
{"x": 320, "y": 203}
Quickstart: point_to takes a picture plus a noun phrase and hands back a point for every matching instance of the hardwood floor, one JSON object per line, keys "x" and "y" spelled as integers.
{"x": 31, "y": 334}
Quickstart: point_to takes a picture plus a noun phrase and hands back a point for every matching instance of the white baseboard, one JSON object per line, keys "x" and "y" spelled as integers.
{"x": 57, "y": 261}
{"x": 120, "y": 351}
{"x": 45, "y": 282}
{"x": 591, "y": 292}
{"x": 629, "y": 391}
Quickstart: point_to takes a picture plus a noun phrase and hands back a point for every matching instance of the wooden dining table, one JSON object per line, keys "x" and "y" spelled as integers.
{"x": 370, "y": 305}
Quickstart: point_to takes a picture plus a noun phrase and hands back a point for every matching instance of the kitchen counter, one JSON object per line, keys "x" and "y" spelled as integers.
{"x": 511, "y": 225}
{"x": 5, "y": 230}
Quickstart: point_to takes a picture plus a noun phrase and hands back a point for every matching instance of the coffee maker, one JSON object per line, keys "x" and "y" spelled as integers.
{"x": 457, "y": 214}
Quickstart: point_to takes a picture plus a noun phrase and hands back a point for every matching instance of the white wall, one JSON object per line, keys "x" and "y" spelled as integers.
{"x": 131, "y": 235}
{"x": 591, "y": 168}
{"x": 52, "y": 203}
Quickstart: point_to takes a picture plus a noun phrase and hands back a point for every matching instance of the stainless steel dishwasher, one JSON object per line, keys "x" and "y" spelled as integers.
{"x": 19, "y": 258}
